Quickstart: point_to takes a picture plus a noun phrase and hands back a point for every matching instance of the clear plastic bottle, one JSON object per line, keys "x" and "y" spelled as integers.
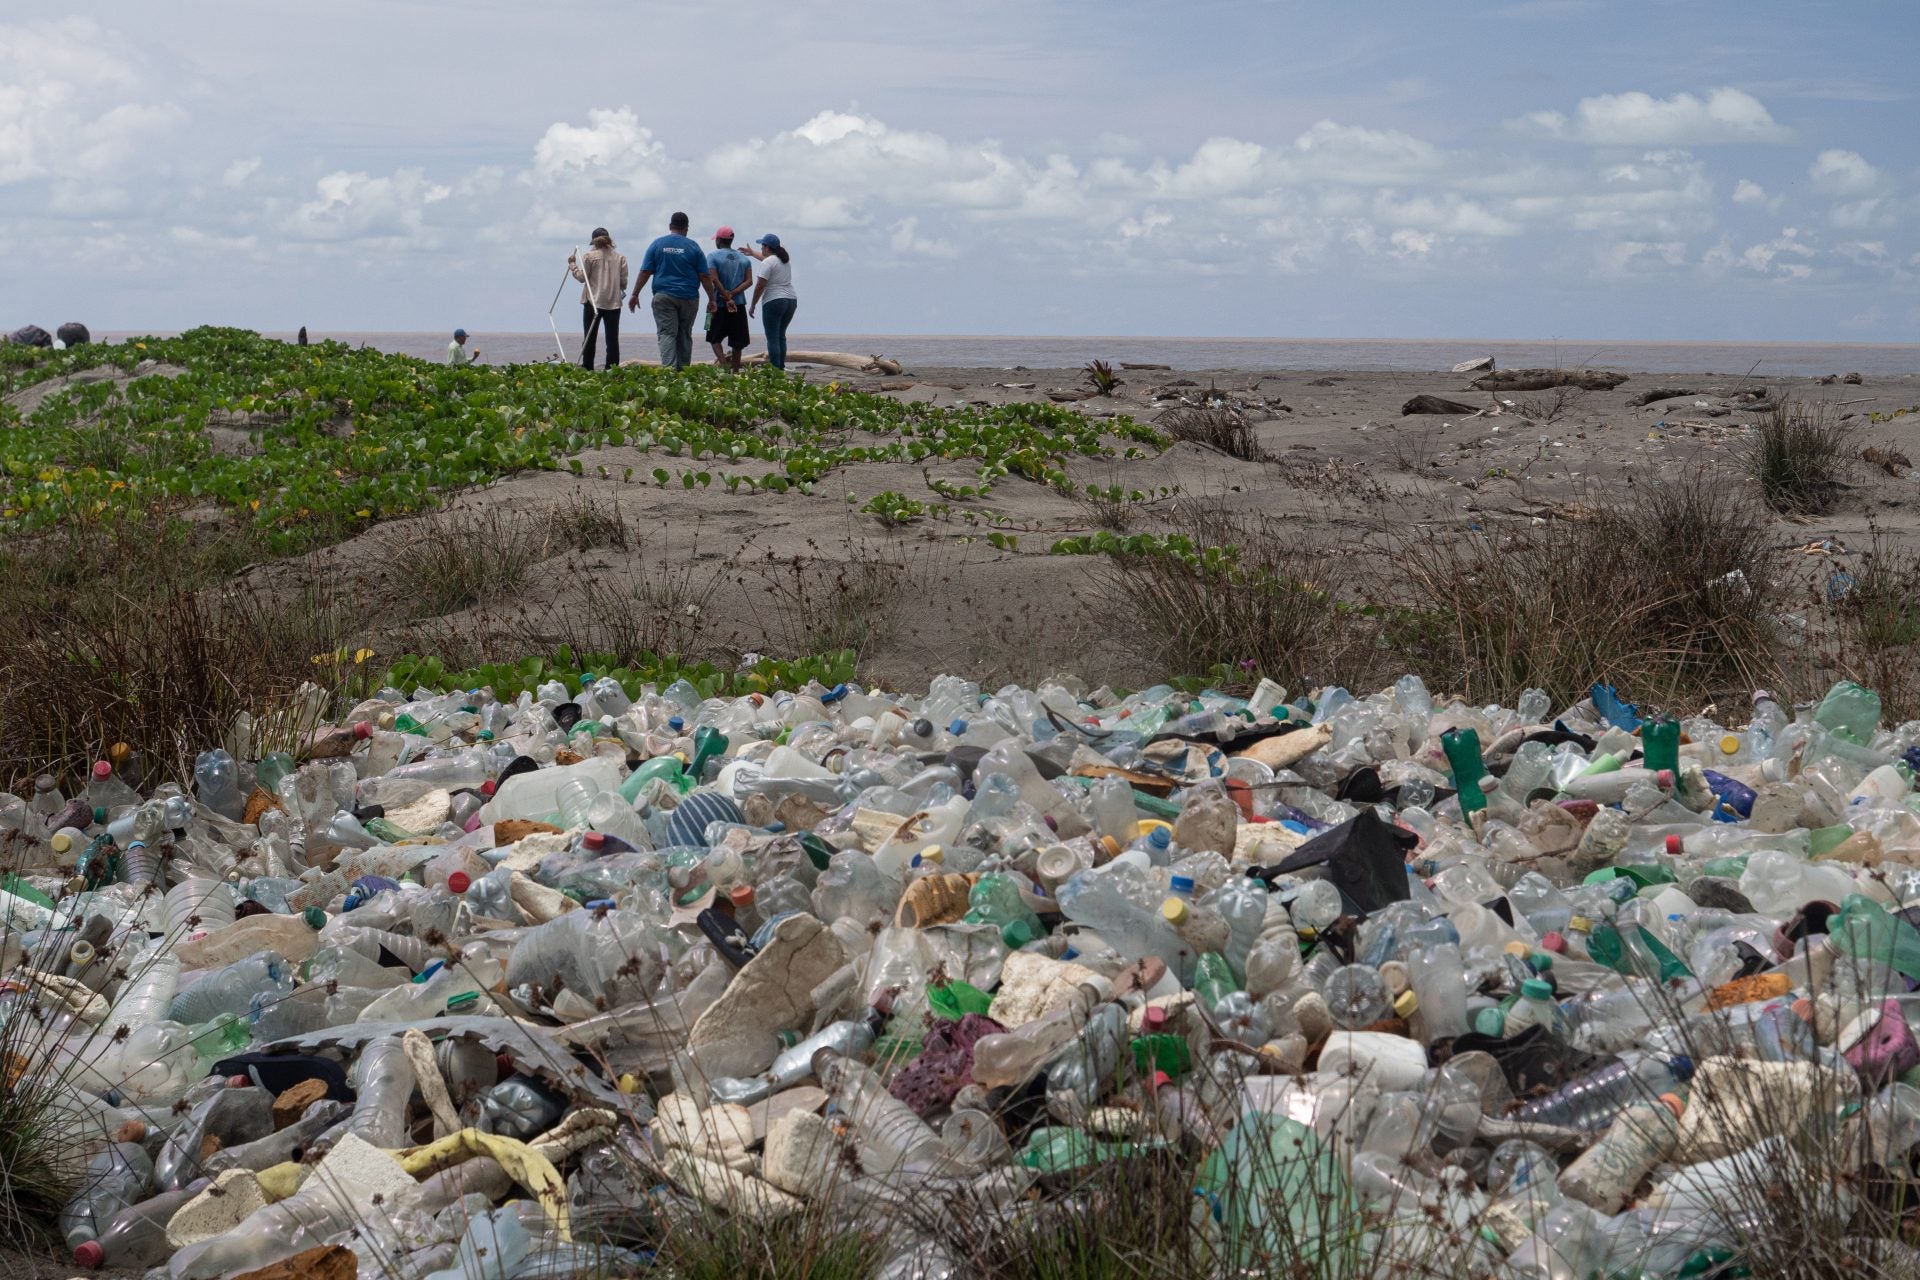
{"x": 1357, "y": 997}
{"x": 796, "y": 1063}
{"x": 203, "y": 904}
{"x": 1536, "y": 1007}
{"x": 1085, "y": 1070}
{"x": 136, "y": 1238}
{"x": 1437, "y": 978}
{"x": 888, "y": 1134}
{"x": 385, "y": 1084}
{"x": 115, "y": 1178}
{"x": 232, "y": 989}
{"x": 216, "y": 782}
{"x": 1592, "y": 1102}
{"x": 1639, "y": 1138}
{"x": 1016, "y": 1056}
{"x": 1242, "y": 903}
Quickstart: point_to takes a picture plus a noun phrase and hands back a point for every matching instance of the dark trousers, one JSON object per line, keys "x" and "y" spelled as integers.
{"x": 609, "y": 324}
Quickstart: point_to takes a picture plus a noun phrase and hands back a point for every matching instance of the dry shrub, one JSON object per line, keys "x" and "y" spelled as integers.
{"x": 584, "y": 522}
{"x": 1551, "y": 406}
{"x": 1217, "y": 426}
{"x": 1665, "y": 593}
{"x": 1274, "y": 608}
{"x": 451, "y": 563}
{"x": 821, "y": 604}
{"x": 133, "y": 634}
{"x": 1875, "y": 636}
{"x": 1802, "y": 455}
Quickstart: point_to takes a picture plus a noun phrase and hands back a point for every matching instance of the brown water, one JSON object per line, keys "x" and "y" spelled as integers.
{"x": 1385, "y": 354}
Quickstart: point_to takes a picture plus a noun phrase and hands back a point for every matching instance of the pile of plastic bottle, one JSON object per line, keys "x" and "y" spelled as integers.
{"x": 468, "y": 987}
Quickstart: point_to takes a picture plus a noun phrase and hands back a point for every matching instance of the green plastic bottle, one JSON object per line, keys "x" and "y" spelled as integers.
{"x": 1849, "y": 710}
{"x": 995, "y": 899}
{"x": 1865, "y": 929}
{"x": 1463, "y": 753}
{"x": 1213, "y": 979}
{"x": 273, "y": 766}
{"x": 1660, "y": 745}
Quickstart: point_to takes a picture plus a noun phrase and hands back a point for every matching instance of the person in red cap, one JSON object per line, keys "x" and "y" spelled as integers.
{"x": 727, "y": 309}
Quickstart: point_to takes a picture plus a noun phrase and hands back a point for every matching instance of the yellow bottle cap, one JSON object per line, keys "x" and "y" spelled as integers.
{"x": 1518, "y": 948}
{"x": 933, "y": 853}
{"x": 62, "y": 842}
{"x": 1580, "y": 924}
{"x": 1729, "y": 745}
{"x": 1111, "y": 846}
{"x": 1405, "y": 1003}
{"x": 1174, "y": 911}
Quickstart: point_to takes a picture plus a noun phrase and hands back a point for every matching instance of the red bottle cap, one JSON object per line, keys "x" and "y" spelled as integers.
{"x": 488, "y": 787}
{"x": 1664, "y": 779}
{"x": 742, "y": 895}
{"x": 593, "y": 840}
{"x": 1160, "y": 1078}
{"x": 89, "y": 1255}
{"x": 459, "y": 882}
{"x": 102, "y": 771}
{"x": 363, "y": 730}
{"x": 1673, "y": 846}
{"x": 1155, "y": 1018}
{"x": 1554, "y": 942}
{"x": 239, "y": 1082}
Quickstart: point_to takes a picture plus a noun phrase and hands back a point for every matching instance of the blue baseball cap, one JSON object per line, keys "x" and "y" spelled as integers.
{"x": 459, "y": 333}
{"x": 770, "y": 240}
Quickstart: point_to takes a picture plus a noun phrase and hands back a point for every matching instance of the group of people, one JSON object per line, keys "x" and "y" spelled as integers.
{"x": 682, "y": 273}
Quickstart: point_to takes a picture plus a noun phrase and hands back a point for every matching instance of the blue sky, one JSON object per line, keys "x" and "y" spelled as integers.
{"x": 1660, "y": 169}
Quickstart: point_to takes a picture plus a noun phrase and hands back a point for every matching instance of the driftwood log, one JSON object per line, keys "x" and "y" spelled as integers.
{"x": 1543, "y": 379}
{"x": 1435, "y": 404}
{"x": 838, "y": 360}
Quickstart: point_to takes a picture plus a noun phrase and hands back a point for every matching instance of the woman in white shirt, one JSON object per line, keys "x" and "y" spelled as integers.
{"x": 775, "y": 290}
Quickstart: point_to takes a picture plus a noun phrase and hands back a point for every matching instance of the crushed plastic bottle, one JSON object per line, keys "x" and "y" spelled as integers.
{"x": 1536, "y": 991}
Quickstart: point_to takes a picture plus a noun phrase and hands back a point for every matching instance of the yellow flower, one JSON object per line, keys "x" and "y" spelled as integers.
{"x": 361, "y": 655}
{"x": 363, "y": 513}
{"x": 140, "y": 346}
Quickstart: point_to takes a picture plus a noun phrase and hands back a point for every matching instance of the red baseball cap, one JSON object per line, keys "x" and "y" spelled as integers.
{"x": 724, "y": 233}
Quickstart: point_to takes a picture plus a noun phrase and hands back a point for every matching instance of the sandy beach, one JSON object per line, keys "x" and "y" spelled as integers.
{"x": 1344, "y": 472}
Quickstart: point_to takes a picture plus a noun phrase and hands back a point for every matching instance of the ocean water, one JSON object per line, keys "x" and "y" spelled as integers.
{"x": 1275, "y": 354}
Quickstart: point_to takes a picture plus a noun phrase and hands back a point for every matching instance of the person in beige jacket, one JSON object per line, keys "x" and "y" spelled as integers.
{"x": 603, "y": 272}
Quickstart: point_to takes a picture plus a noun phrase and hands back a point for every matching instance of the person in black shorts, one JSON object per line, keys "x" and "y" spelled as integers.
{"x": 727, "y": 312}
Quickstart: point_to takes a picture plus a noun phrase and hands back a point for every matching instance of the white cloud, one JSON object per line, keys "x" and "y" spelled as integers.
{"x": 613, "y": 151}
{"x": 1843, "y": 173}
{"x": 908, "y": 241}
{"x": 74, "y": 106}
{"x": 1639, "y": 119}
{"x": 389, "y": 211}
{"x": 239, "y": 171}
{"x": 1747, "y": 191}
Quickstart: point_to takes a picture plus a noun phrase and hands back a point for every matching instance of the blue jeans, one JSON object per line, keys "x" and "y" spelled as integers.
{"x": 779, "y": 314}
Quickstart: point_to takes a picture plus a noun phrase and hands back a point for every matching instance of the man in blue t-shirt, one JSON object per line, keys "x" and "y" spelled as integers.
{"x": 679, "y": 271}
{"x": 727, "y": 313}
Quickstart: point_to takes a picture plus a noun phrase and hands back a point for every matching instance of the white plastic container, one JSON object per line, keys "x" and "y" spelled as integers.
{"x": 535, "y": 795}
{"x": 1389, "y": 1063}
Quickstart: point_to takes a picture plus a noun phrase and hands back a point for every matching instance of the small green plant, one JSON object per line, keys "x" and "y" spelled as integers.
{"x": 892, "y": 508}
{"x": 1101, "y": 378}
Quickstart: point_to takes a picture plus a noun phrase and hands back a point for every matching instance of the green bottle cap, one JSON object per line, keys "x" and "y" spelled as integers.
{"x": 315, "y": 917}
{"x": 1016, "y": 934}
{"x": 1537, "y": 989}
{"x": 1490, "y": 1022}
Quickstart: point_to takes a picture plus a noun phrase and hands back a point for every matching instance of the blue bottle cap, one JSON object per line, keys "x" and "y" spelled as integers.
{"x": 957, "y": 727}
{"x": 676, "y": 723}
{"x": 429, "y": 971}
{"x": 1182, "y": 885}
{"x": 352, "y": 901}
{"x": 608, "y": 903}
{"x": 1681, "y": 1066}
{"x": 1161, "y": 838}
{"x": 834, "y": 694}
